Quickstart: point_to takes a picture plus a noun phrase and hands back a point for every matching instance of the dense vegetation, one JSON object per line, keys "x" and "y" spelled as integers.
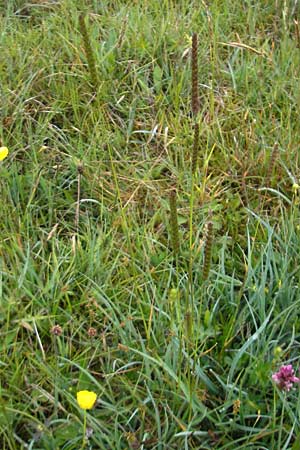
{"x": 172, "y": 294}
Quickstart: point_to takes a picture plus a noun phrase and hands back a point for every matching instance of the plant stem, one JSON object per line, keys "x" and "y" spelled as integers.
{"x": 281, "y": 425}
{"x": 84, "y": 431}
{"x": 174, "y": 222}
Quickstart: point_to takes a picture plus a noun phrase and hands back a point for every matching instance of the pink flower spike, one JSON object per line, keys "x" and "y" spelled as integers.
{"x": 285, "y": 377}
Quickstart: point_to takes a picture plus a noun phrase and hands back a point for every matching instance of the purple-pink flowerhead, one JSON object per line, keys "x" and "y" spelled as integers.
{"x": 285, "y": 377}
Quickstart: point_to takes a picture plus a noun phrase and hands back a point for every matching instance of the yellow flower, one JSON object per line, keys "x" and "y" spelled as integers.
{"x": 277, "y": 352}
{"x": 86, "y": 399}
{"x": 295, "y": 188}
{"x": 3, "y": 152}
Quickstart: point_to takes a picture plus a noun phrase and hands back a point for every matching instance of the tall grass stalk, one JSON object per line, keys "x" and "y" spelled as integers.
{"x": 271, "y": 165}
{"x": 195, "y": 89}
{"x": 88, "y": 51}
{"x": 77, "y": 212}
{"x": 174, "y": 228}
{"x": 195, "y": 100}
{"x": 207, "y": 250}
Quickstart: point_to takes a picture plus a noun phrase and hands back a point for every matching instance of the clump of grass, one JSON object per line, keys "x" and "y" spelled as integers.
{"x": 173, "y": 364}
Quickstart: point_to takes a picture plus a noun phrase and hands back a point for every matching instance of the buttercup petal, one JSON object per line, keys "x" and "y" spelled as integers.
{"x": 86, "y": 399}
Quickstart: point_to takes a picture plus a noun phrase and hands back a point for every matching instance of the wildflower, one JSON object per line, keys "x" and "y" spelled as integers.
{"x": 3, "y": 153}
{"x": 89, "y": 432}
{"x": 278, "y": 351}
{"x": 285, "y": 377}
{"x": 295, "y": 188}
{"x": 92, "y": 332}
{"x": 86, "y": 399}
{"x": 236, "y": 406}
{"x": 56, "y": 330}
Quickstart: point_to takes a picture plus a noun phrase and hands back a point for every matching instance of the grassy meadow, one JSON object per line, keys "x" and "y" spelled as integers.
{"x": 149, "y": 247}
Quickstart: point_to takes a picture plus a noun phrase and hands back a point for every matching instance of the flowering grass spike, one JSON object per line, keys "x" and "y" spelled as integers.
{"x": 285, "y": 377}
{"x": 86, "y": 399}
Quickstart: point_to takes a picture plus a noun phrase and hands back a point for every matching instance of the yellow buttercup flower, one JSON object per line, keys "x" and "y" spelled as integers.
{"x": 86, "y": 399}
{"x": 3, "y": 153}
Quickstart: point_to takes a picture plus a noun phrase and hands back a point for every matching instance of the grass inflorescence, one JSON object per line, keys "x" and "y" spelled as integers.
{"x": 88, "y": 50}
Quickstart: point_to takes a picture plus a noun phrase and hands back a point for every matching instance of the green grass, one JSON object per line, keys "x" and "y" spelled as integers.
{"x": 180, "y": 360}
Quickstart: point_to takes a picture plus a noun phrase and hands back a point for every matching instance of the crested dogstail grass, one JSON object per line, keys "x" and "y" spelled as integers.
{"x": 176, "y": 361}
{"x": 88, "y": 50}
